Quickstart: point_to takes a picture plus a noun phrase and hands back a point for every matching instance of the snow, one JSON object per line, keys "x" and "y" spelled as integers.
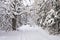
{"x": 23, "y": 34}
{"x": 28, "y": 2}
{"x": 26, "y": 32}
{"x": 27, "y": 28}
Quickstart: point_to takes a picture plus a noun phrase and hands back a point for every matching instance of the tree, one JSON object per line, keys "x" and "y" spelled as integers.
{"x": 50, "y": 18}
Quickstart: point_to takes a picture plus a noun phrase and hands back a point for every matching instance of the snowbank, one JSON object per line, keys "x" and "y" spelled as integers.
{"x": 28, "y": 28}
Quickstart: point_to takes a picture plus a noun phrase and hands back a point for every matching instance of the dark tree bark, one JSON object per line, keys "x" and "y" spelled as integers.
{"x": 13, "y": 23}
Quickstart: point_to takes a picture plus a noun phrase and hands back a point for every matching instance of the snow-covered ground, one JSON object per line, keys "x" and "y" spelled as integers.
{"x": 25, "y": 33}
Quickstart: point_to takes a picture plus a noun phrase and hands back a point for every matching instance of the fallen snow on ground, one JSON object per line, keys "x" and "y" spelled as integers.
{"x": 28, "y": 28}
{"x": 25, "y": 33}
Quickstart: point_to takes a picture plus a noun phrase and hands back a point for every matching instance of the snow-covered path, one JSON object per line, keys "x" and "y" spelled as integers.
{"x": 10, "y": 35}
{"x": 27, "y": 35}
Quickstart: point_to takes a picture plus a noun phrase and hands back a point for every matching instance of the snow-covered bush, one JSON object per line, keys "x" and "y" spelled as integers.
{"x": 5, "y": 20}
{"x": 49, "y": 16}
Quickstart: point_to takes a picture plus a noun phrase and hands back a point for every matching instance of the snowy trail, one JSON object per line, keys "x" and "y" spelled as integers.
{"x": 10, "y": 35}
{"x": 37, "y": 34}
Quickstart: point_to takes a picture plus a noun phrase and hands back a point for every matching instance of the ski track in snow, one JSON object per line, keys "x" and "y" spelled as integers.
{"x": 25, "y": 34}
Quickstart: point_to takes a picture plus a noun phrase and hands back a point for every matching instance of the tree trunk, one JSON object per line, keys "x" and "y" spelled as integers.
{"x": 13, "y": 23}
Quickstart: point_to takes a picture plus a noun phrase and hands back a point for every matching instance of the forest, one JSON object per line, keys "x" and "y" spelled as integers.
{"x": 44, "y": 13}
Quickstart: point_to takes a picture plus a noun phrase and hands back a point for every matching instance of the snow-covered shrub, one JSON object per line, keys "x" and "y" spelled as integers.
{"x": 5, "y": 22}
{"x": 49, "y": 16}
